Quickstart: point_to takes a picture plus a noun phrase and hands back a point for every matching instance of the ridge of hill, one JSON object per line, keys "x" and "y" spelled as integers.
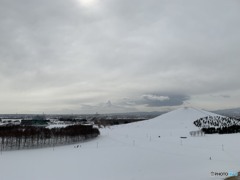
{"x": 179, "y": 122}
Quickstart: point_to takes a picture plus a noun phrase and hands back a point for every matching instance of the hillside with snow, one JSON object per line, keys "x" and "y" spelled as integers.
{"x": 148, "y": 150}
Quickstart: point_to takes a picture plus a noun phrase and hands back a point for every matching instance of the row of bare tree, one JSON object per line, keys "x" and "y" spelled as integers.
{"x": 26, "y": 137}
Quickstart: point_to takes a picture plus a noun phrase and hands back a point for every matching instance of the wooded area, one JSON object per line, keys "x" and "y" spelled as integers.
{"x": 218, "y": 124}
{"x": 25, "y": 137}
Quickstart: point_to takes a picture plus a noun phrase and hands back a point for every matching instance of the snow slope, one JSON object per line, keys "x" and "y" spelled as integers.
{"x": 147, "y": 150}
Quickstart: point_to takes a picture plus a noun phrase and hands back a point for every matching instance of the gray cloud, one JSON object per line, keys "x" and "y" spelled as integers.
{"x": 158, "y": 100}
{"x": 155, "y": 97}
{"x": 226, "y": 96}
{"x": 62, "y": 52}
{"x": 221, "y": 96}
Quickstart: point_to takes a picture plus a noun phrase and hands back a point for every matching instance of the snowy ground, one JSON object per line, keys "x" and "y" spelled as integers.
{"x": 132, "y": 152}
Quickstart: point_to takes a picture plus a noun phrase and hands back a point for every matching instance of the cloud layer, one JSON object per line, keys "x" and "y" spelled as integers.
{"x": 73, "y": 56}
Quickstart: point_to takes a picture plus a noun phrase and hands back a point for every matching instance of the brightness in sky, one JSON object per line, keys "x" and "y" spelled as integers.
{"x": 87, "y": 56}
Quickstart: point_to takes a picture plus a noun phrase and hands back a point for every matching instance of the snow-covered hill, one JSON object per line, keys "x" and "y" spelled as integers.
{"x": 175, "y": 123}
{"x": 147, "y": 150}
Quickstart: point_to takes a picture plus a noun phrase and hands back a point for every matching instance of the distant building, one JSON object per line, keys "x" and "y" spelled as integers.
{"x": 8, "y": 121}
{"x": 197, "y": 133}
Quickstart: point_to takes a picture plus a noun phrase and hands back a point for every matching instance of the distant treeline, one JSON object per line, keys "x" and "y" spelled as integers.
{"x": 222, "y": 130}
{"x": 216, "y": 121}
{"x": 218, "y": 124}
{"x": 25, "y": 137}
{"x": 111, "y": 122}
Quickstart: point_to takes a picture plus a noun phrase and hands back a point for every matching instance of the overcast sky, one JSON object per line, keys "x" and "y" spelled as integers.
{"x": 88, "y": 56}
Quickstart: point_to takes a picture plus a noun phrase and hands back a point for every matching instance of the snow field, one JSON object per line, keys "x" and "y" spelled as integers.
{"x": 132, "y": 152}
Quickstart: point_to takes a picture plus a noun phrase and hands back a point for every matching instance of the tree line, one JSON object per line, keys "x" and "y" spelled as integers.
{"x": 216, "y": 121}
{"x": 222, "y": 130}
{"x": 218, "y": 124}
{"x": 26, "y": 137}
{"x": 103, "y": 122}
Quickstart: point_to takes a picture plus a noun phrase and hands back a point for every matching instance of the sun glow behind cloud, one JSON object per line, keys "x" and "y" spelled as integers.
{"x": 88, "y": 3}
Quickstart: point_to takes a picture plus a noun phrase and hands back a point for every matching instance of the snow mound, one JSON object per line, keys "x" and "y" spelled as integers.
{"x": 179, "y": 122}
